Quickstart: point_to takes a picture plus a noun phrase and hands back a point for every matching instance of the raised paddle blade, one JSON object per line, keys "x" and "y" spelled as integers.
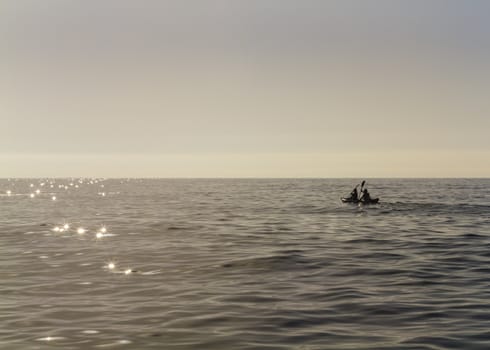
{"x": 362, "y": 185}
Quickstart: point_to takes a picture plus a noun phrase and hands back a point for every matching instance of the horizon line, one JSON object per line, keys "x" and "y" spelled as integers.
{"x": 245, "y": 178}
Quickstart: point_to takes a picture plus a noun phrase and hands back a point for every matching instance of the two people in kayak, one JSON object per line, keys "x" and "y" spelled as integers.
{"x": 364, "y": 197}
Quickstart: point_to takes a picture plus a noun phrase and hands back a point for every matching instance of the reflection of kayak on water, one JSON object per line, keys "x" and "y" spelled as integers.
{"x": 357, "y": 201}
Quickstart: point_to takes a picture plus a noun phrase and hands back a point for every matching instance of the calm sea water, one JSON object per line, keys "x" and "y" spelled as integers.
{"x": 244, "y": 264}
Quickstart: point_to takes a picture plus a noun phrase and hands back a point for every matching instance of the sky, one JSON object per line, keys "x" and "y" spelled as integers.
{"x": 245, "y": 88}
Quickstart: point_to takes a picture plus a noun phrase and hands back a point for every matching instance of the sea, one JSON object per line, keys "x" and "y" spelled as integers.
{"x": 244, "y": 264}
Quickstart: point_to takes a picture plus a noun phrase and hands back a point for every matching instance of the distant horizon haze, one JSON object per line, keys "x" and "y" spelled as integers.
{"x": 340, "y": 165}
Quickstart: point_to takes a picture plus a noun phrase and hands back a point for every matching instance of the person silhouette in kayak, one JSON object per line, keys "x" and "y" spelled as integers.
{"x": 354, "y": 194}
{"x": 365, "y": 197}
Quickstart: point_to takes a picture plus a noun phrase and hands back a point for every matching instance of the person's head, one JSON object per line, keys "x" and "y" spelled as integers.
{"x": 364, "y": 190}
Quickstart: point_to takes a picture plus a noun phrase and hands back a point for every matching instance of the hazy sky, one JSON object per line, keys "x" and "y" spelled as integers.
{"x": 250, "y": 88}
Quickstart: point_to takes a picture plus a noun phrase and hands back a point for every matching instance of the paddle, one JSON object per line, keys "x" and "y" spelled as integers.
{"x": 362, "y": 185}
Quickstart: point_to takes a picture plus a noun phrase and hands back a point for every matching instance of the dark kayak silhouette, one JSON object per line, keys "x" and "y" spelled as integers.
{"x": 357, "y": 201}
{"x": 364, "y": 199}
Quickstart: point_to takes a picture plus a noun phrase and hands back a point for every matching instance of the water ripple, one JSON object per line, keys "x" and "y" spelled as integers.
{"x": 244, "y": 264}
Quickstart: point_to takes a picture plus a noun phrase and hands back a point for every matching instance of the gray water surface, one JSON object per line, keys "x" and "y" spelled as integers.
{"x": 244, "y": 264}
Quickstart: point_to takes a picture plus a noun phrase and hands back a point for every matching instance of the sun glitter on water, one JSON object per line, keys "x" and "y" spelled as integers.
{"x": 111, "y": 266}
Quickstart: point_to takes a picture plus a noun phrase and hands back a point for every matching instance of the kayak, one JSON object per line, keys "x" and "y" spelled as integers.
{"x": 357, "y": 201}
{"x": 349, "y": 200}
